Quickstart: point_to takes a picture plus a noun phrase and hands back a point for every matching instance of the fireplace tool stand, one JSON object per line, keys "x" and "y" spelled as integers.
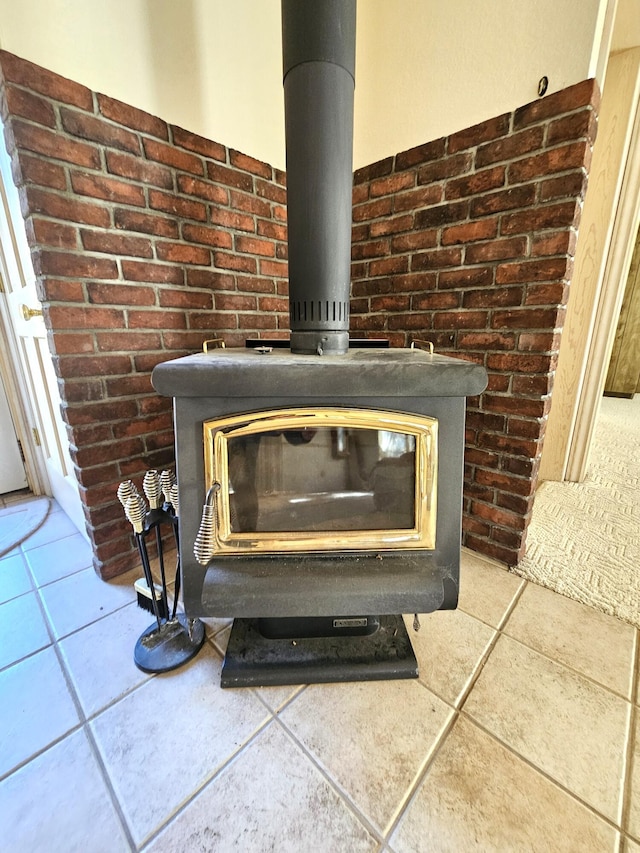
{"x": 173, "y": 639}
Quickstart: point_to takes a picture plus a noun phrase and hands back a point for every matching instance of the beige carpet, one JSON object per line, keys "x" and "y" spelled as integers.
{"x": 584, "y": 538}
{"x": 18, "y": 521}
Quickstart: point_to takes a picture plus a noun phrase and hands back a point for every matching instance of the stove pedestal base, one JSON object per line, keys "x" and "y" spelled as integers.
{"x": 253, "y": 660}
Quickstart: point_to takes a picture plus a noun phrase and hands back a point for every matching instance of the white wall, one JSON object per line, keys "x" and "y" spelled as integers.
{"x": 425, "y": 68}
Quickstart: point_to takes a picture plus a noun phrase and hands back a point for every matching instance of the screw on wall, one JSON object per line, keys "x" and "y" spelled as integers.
{"x": 543, "y": 85}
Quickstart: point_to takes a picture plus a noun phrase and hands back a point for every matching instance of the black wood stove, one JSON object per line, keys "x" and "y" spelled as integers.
{"x": 319, "y": 482}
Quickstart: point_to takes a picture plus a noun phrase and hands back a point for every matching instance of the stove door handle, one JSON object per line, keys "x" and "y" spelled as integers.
{"x": 204, "y": 545}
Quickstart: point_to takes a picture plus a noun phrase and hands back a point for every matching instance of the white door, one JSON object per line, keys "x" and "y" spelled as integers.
{"x": 34, "y": 367}
{"x": 12, "y": 473}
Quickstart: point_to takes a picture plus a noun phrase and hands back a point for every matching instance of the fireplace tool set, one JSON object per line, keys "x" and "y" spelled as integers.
{"x": 173, "y": 638}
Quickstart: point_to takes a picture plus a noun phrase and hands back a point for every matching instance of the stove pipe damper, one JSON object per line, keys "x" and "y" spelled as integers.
{"x": 297, "y": 601}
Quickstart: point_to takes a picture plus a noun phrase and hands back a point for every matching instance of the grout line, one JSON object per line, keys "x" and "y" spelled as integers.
{"x": 342, "y": 793}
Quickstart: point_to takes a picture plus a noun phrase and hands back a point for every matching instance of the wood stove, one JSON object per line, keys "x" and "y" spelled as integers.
{"x": 321, "y": 482}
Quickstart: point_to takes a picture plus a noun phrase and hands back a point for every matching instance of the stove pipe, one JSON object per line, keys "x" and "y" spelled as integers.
{"x": 318, "y": 40}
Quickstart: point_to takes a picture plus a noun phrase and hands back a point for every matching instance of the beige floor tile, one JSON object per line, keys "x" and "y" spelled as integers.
{"x": 271, "y": 798}
{"x": 630, "y": 846}
{"x": 77, "y": 600}
{"x": 634, "y": 786}
{"x": 163, "y": 741}
{"x": 478, "y": 795}
{"x": 59, "y": 802}
{"x": 371, "y": 737}
{"x": 22, "y": 629}
{"x": 486, "y": 590}
{"x": 449, "y": 646}
{"x": 54, "y": 560}
{"x": 35, "y": 710}
{"x": 57, "y": 525}
{"x": 99, "y": 658}
{"x": 14, "y": 577}
{"x": 595, "y": 644}
{"x": 563, "y": 723}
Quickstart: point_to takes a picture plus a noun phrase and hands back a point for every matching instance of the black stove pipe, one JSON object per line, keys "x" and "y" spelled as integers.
{"x": 318, "y": 39}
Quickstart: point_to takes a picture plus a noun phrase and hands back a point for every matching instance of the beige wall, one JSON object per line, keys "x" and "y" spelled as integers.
{"x": 425, "y": 68}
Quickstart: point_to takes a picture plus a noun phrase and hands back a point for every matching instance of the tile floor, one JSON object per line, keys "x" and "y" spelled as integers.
{"x": 520, "y": 734}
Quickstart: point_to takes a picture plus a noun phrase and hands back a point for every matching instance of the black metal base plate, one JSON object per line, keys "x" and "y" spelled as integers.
{"x": 252, "y": 660}
{"x": 161, "y": 649}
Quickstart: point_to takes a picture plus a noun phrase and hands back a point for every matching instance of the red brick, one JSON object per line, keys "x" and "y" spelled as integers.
{"x": 203, "y": 189}
{"x": 573, "y": 185}
{"x": 106, "y": 412}
{"x": 421, "y": 154}
{"x": 273, "y": 304}
{"x": 250, "y": 164}
{"x": 273, "y": 230}
{"x": 159, "y": 273}
{"x": 373, "y": 171}
{"x": 392, "y": 184}
{"x": 33, "y": 170}
{"x": 493, "y": 297}
{"x": 460, "y": 320}
{"x": 52, "y": 144}
{"x": 555, "y": 293}
{"x": 373, "y": 209}
{"x": 486, "y": 341}
{"x": 442, "y": 214}
{"x": 446, "y": 167}
{"x": 556, "y": 160}
{"x": 134, "y": 220}
{"x": 389, "y": 266}
{"x": 530, "y": 318}
{"x": 23, "y": 73}
{"x": 539, "y": 342}
{"x": 561, "y": 243}
{"x": 61, "y": 207}
{"x": 478, "y": 182}
{"x": 374, "y": 249}
{"x": 137, "y": 169}
{"x": 469, "y": 232}
{"x": 253, "y": 246}
{"x": 93, "y": 365}
{"x": 74, "y": 265}
{"x": 108, "y": 189}
{"x": 229, "y": 177}
{"x": 198, "y": 144}
{"x": 496, "y": 250}
{"x": 514, "y": 405}
{"x": 266, "y": 189}
{"x": 154, "y": 319}
{"x": 210, "y": 279}
{"x": 532, "y": 386}
{"x": 68, "y": 344}
{"x": 27, "y": 105}
{"x": 128, "y": 386}
{"x": 566, "y": 100}
{"x": 65, "y": 317}
{"x": 391, "y": 302}
{"x": 204, "y": 234}
{"x": 583, "y": 123}
{"x": 431, "y": 301}
{"x": 256, "y": 321}
{"x": 116, "y": 244}
{"x": 509, "y": 199}
{"x": 232, "y": 219}
{"x": 131, "y": 117}
{"x": 179, "y": 253}
{"x": 465, "y": 278}
{"x": 235, "y": 302}
{"x": 128, "y": 341}
{"x": 225, "y": 261}
{"x": 524, "y": 271}
{"x": 61, "y": 290}
{"x": 120, "y": 294}
{"x": 273, "y": 268}
{"x": 186, "y": 299}
{"x": 184, "y": 207}
{"x": 393, "y": 225}
{"x": 519, "y": 362}
{"x": 479, "y": 133}
{"x": 562, "y": 215}
{"x": 510, "y": 147}
{"x": 415, "y": 199}
{"x": 141, "y": 425}
{"x": 215, "y": 321}
{"x": 171, "y": 156}
{"x": 97, "y": 130}
{"x": 415, "y": 240}
{"x": 48, "y": 233}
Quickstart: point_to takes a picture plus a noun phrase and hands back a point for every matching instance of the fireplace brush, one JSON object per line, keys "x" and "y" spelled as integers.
{"x": 172, "y": 639}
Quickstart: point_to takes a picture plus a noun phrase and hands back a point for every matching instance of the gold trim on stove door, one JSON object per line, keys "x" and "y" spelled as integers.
{"x": 422, "y": 535}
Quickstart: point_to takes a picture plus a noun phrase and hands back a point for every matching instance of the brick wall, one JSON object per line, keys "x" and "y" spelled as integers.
{"x": 468, "y": 241}
{"x": 146, "y": 240}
